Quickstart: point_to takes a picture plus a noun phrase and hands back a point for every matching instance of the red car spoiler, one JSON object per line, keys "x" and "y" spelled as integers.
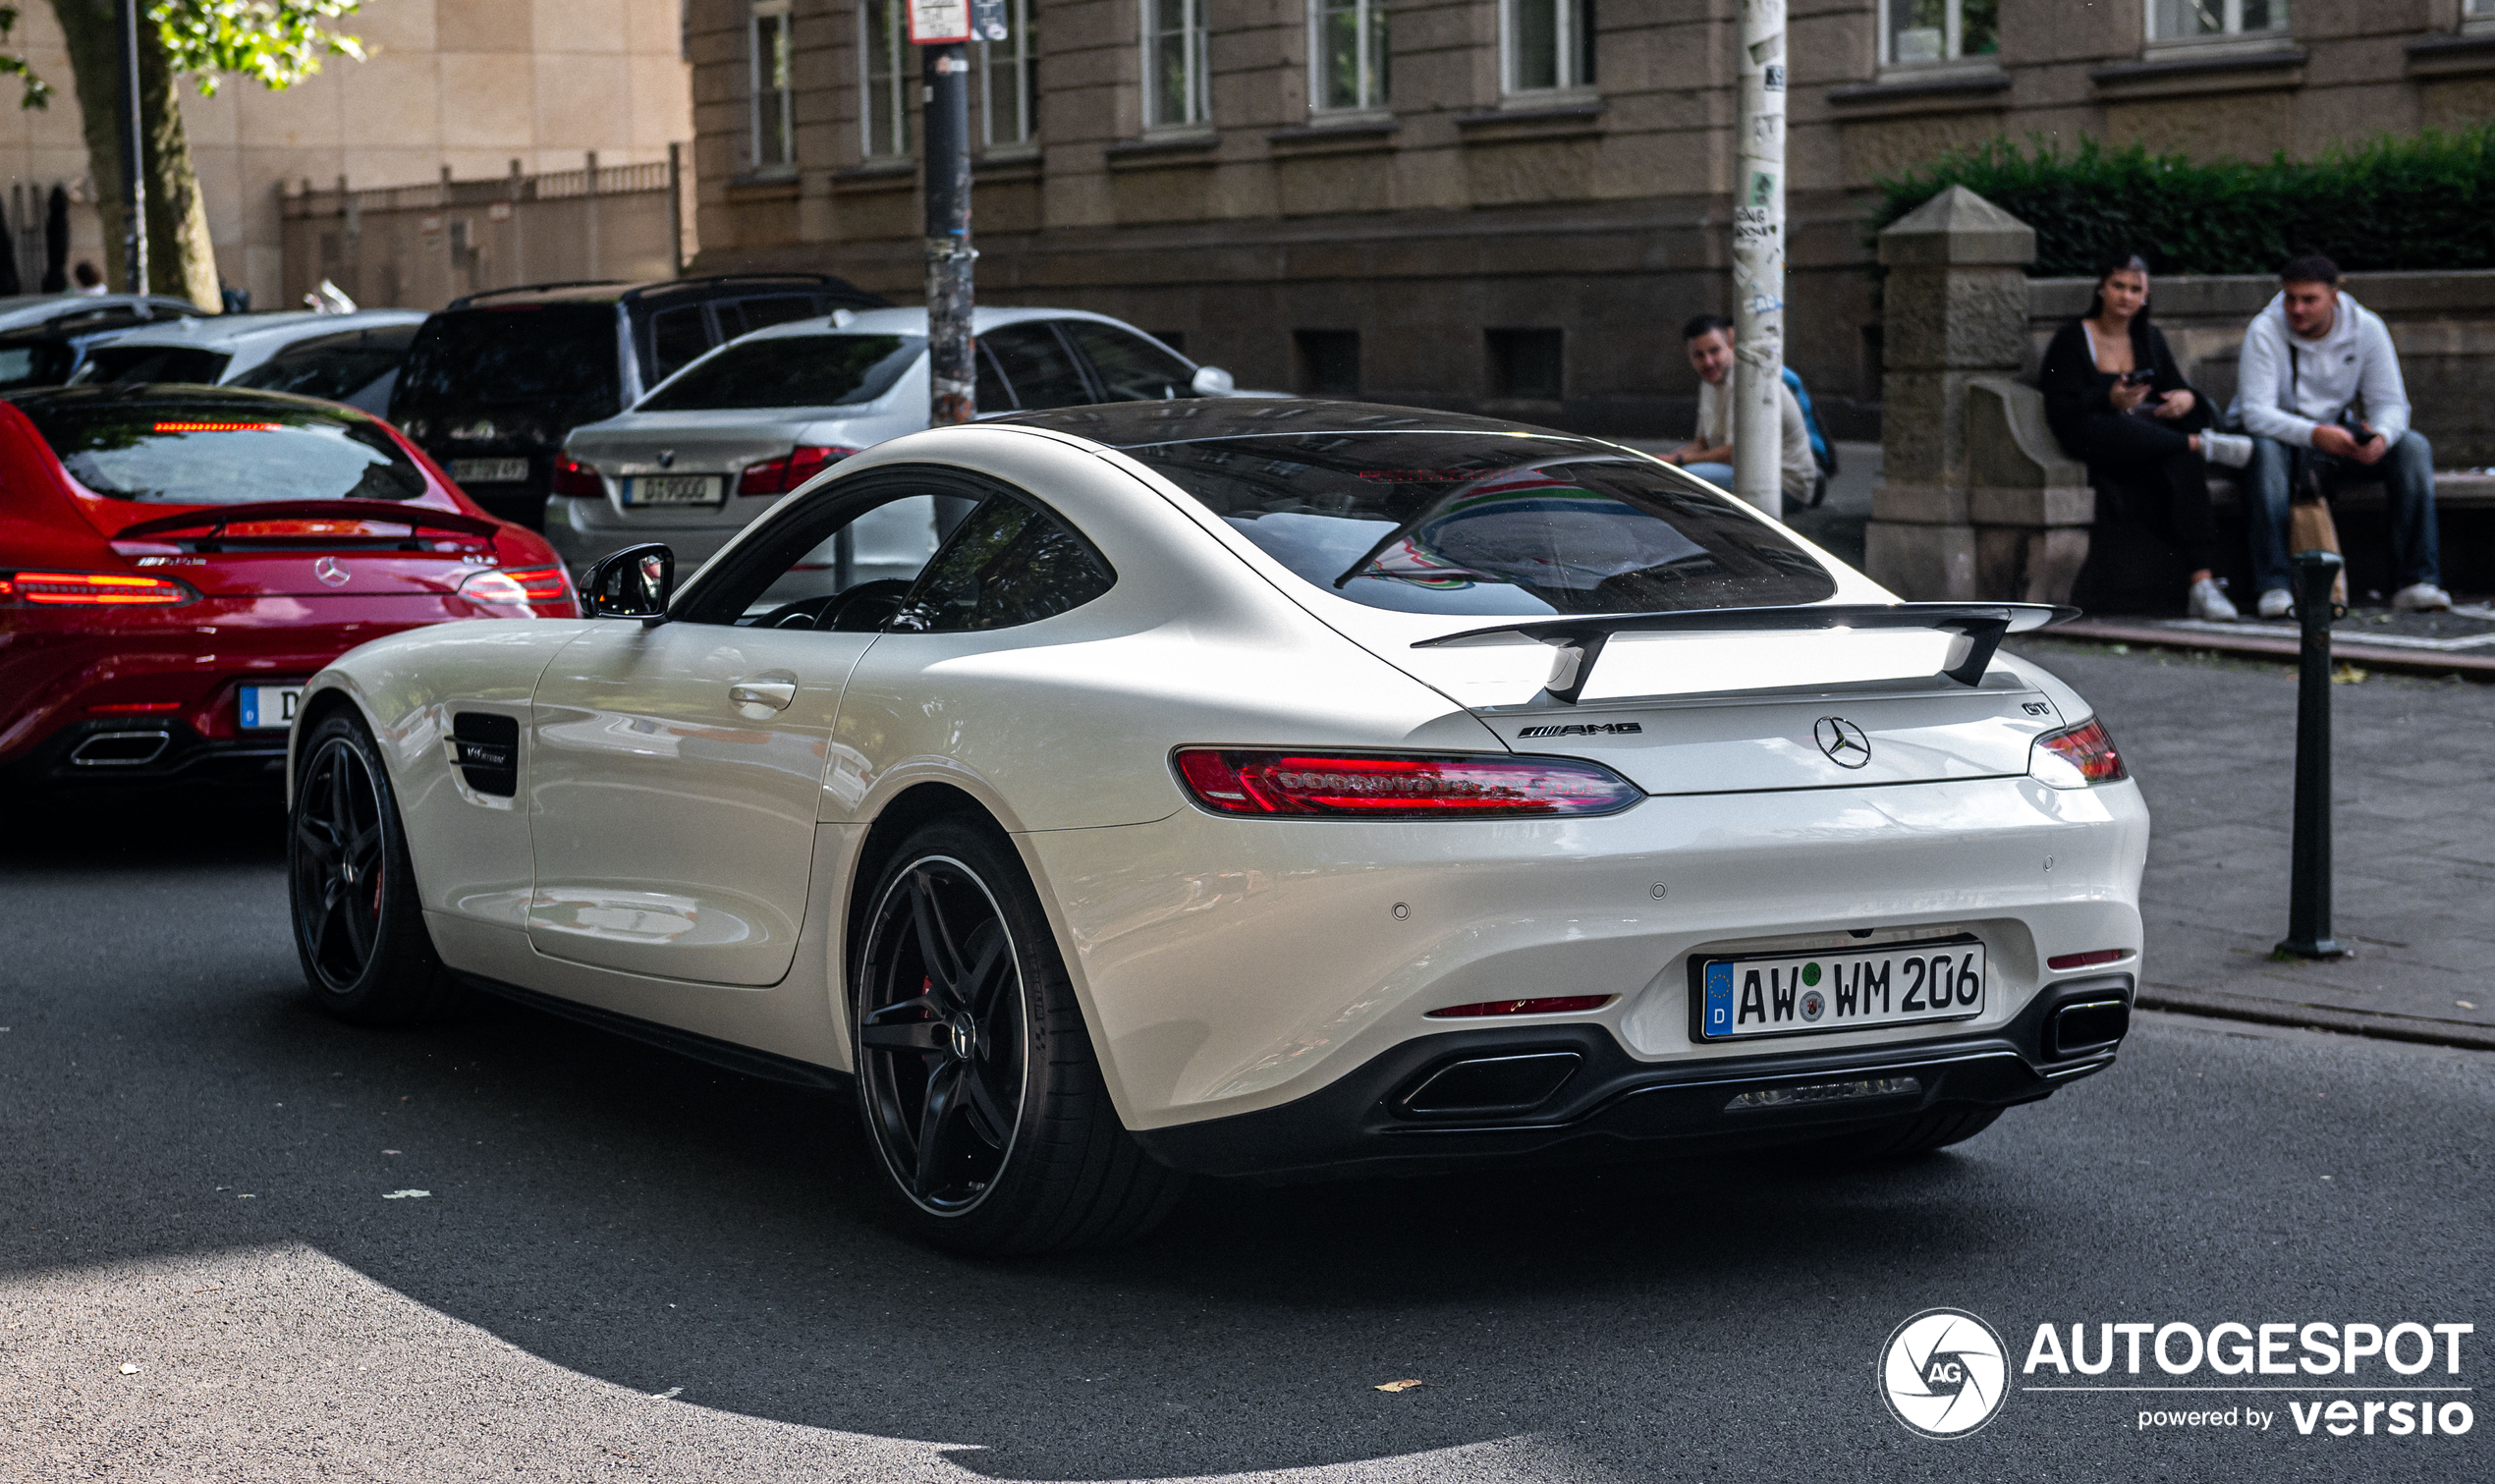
{"x": 216, "y": 519}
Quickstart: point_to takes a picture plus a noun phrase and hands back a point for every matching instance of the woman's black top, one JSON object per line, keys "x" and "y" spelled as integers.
{"x": 2075, "y": 389}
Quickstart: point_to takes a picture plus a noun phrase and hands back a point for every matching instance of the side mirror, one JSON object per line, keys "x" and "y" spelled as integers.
{"x": 632, "y": 583}
{"x": 1212, "y": 381}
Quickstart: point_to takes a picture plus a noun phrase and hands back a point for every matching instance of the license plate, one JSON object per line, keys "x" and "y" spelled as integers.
{"x": 489, "y": 471}
{"x": 674, "y": 489}
{"x": 1806, "y": 994}
{"x": 267, "y": 708}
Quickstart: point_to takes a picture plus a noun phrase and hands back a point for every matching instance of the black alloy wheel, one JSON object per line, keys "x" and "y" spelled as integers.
{"x": 358, "y": 922}
{"x": 975, "y": 1076}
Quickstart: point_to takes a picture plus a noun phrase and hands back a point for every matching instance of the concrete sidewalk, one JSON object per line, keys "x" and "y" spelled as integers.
{"x": 2213, "y": 742}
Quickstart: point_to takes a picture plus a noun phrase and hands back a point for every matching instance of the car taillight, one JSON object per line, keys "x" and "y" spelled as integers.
{"x": 777, "y": 476}
{"x": 572, "y": 477}
{"x": 1399, "y": 786}
{"x": 2087, "y": 748}
{"x": 535, "y": 587}
{"x": 105, "y": 588}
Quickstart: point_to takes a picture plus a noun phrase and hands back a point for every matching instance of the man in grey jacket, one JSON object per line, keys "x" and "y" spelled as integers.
{"x": 2312, "y": 358}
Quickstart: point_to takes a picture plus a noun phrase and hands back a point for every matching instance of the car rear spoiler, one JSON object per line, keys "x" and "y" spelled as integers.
{"x": 1579, "y": 640}
{"x": 389, "y": 512}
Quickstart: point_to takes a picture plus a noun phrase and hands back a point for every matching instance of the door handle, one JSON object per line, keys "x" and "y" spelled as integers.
{"x": 775, "y": 695}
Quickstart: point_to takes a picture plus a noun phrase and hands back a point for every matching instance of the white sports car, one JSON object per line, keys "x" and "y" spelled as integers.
{"x": 1249, "y": 788}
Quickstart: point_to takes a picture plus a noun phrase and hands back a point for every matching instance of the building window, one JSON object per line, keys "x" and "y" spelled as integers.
{"x": 1525, "y": 364}
{"x": 1921, "y": 32}
{"x": 1177, "y": 75}
{"x": 1347, "y": 55}
{"x": 774, "y": 86}
{"x": 1547, "y": 45}
{"x": 1009, "y": 82}
{"x": 2478, "y": 18}
{"x": 2210, "y": 20}
{"x": 1329, "y": 362}
{"x": 884, "y": 63}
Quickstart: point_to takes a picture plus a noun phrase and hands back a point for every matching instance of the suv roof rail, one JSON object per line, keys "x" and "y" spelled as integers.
{"x": 756, "y": 276}
{"x": 464, "y": 300}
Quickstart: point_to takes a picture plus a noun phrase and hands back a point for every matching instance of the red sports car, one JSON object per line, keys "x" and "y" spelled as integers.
{"x": 175, "y": 561}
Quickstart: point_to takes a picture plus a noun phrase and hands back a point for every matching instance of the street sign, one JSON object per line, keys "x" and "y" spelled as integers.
{"x": 935, "y": 23}
{"x": 987, "y": 20}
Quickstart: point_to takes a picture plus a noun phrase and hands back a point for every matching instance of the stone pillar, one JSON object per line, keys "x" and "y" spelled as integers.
{"x": 1956, "y": 309}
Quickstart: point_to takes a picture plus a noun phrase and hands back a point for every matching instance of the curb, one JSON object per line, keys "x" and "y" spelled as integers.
{"x": 2413, "y": 1029}
{"x": 2475, "y": 667}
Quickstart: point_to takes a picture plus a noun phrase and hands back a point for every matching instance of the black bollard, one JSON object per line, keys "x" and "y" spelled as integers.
{"x": 2309, "y": 930}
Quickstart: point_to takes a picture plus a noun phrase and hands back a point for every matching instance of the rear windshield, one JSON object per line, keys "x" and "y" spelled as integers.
{"x": 1501, "y": 523}
{"x": 562, "y": 362}
{"x": 135, "y": 363}
{"x": 334, "y": 367}
{"x": 222, "y": 453}
{"x": 795, "y": 370}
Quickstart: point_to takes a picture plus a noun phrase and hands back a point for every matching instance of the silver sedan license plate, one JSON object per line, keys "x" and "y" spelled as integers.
{"x": 489, "y": 471}
{"x": 1805, "y": 994}
{"x": 673, "y": 489}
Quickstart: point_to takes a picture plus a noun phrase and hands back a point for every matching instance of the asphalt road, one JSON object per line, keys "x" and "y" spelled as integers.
{"x": 631, "y": 1266}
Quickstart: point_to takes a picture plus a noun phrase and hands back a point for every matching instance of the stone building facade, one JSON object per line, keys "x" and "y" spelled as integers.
{"x": 1506, "y": 203}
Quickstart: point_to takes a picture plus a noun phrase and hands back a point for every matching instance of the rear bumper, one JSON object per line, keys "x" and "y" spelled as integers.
{"x": 125, "y": 752}
{"x": 583, "y": 529}
{"x": 1390, "y": 1116}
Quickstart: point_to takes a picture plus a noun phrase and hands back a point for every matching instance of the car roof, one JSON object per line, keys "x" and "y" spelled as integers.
{"x": 1139, "y": 424}
{"x": 913, "y": 321}
{"x": 228, "y": 332}
{"x": 617, "y": 291}
{"x": 24, "y": 310}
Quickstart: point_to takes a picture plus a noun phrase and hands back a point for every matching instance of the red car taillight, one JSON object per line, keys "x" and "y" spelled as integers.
{"x": 535, "y": 587}
{"x": 572, "y": 477}
{"x": 1407, "y": 786}
{"x": 2088, "y": 747}
{"x": 105, "y": 588}
{"x": 777, "y": 476}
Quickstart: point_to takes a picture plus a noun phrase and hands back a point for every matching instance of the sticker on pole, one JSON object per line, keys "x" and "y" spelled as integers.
{"x": 987, "y": 20}
{"x": 934, "y": 23}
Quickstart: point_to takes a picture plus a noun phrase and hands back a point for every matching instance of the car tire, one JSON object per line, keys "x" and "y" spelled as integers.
{"x": 1917, "y": 1133}
{"x": 351, "y": 887}
{"x": 943, "y": 1067}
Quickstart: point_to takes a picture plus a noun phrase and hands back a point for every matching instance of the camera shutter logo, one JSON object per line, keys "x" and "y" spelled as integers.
{"x": 1943, "y": 1373}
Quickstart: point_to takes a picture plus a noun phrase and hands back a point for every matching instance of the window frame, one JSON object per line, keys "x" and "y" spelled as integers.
{"x": 1019, "y": 54}
{"x": 1953, "y": 40}
{"x": 1575, "y": 30}
{"x": 2233, "y": 37}
{"x": 2478, "y": 17}
{"x": 758, "y": 88}
{"x": 1369, "y": 24}
{"x": 894, "y": 133}
{"x": 1194, "y": 38}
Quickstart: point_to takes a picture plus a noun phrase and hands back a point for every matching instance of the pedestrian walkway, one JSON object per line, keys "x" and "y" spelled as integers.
{"x": 2213, "y": 742}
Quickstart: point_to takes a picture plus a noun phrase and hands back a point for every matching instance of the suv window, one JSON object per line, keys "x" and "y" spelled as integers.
{"x": 559, "y": 363}
{"x": 152, "y": 363}
{"x": 1035, "y": 362}
{"x": 1132, "y": 368}
{"x": 762, "y": 314}
{"x": 677, "y": 337}
{"x": 1009, "y": 562}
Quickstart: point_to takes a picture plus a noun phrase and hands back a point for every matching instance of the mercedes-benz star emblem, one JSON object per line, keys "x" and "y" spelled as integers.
{"x": 1843, "y": 742}
{"x": 330, "y": 571}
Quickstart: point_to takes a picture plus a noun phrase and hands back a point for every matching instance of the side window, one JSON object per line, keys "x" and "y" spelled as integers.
{"x": 832, "y": 565}
{"x": 1009, "y": 562}
{"x": 1035, "y": 362}
{"x": 775, "y": 309}
{"x": 675, "y": 336}
{"x": 1132, "y": 368}
{"x": 992, "y": 394}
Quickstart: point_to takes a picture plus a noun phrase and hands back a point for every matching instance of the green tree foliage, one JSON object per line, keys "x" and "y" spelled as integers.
{"x": 2412, "y": 201}
{"x": 276, "y": 43}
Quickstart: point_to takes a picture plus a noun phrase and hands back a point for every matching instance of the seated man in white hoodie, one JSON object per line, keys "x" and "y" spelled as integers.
{"x": 2312, "y": 356}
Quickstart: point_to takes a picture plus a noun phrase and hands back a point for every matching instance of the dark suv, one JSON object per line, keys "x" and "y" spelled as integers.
{"x": 496, "y": 380}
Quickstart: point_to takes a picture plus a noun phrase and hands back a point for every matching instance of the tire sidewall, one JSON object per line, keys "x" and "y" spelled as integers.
{"x": 401, "y": 946}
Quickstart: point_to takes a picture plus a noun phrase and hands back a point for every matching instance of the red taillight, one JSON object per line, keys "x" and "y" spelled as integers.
{"x": 2088, "y": 747}
{"x": 1382, "y": 786}
{"x": 533, "y": 586}
{"x": 777, "y": 476}
{"x": 1553, "y": 1005}
{"x": 2083, "y": 961}
{"x": 572, "y": 477}
{"x": 112, "y": 590}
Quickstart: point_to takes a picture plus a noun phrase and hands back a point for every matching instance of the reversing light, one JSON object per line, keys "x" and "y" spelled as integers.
{"x": 105, "y": 588}
{"x": 572, "y": 477}
{"x": 777, "y": 476}
{"x": 2083, "y": 961}
{"x": 1399, "y": 786}
{"x": 2087, "y": 747}
{"x": 1549, "y": 1005}
{"x": 533, "y": 586}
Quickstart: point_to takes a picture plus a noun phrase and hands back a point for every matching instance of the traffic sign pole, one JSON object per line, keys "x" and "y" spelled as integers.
{"x": 942, "y": 29}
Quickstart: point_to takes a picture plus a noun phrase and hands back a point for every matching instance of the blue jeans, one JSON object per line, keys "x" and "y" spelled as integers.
{"x": 1718, "y": 474}
{"x": 2407, "y": 477}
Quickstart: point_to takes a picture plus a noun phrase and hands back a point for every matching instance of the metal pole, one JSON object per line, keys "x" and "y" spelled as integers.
{"x": 676, "y": 211}
{"x": 952, "y": 386}
{"x": 133, "y": 159}
{"x": 1758, "y": 260}
{"x": 2308, "y": 926}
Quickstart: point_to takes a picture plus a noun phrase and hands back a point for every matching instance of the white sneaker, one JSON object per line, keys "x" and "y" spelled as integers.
{"x": 2277, "y": 604}
{"x": 2421, "y": 597}
{"x": 2209, "y": 601}
{"x": 2234, "y": 450}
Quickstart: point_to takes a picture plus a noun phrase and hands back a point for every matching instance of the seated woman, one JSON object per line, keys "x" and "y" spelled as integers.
{"x": 2116, "y": 403}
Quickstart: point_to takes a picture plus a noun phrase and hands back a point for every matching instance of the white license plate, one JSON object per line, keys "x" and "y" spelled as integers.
{"x": 489, "y": 471}
{"x": 270, "y": 708}
{"x": 1803, "y": 994}
{"x": 674, "y": 489}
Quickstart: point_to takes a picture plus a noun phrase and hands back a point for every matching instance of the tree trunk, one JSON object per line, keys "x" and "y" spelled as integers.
{"x": 180, "y": 259}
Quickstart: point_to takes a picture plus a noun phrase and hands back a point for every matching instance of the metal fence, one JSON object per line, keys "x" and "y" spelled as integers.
{"x": 420, "y": 247}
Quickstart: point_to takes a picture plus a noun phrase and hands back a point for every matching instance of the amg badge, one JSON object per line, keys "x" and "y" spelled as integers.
{"x": 1582, "y": 728}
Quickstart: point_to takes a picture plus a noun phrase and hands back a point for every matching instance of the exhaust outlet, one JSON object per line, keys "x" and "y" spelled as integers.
{"x": 121, "y": 749}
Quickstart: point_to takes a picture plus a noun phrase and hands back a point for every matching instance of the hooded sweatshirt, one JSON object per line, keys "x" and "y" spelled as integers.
{"x": 2285, "y": 383}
